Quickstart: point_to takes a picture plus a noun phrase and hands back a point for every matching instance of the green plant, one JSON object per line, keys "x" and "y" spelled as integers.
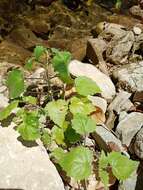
{"x": 66, "y": 122}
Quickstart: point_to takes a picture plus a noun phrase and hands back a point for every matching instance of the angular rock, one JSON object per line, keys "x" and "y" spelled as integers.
{"x": 77, "y": 68}
{"x": 106, "y": 140}
{"x": 129, "y": 126}
{"x": 27, "y": 168}
{"x": 131, "y": 75}
{"x": 138, "y": 144}
{"x": 137, "y": 11}
{"x": 95, "y": 49}
{"x": 121, "y": 102}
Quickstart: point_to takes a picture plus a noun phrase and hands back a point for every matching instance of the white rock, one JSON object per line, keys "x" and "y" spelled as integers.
{"x": 27, "y": 168}
{"x": 131, "y": 75}
{"x": 129, "y": 126}
{"x": 137, "y": 30}
{"x": 77, "y": 68}
{"x": 121, "y": 102}
{"x": 99, "y": 102}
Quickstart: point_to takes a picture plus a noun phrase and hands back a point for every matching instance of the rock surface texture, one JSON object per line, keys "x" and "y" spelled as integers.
{"x": 129, "y": 126}
{"x": 131, "y": 75}
{"x": 26, "y": 168}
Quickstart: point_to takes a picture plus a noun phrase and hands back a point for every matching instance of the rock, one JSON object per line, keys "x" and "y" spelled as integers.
{"x": 77, "y": 68}
{"x": 138, "y": 144}
{"x": 129, "y": 126}
{"x": 125, "y": 20}
{"x": 137, "y": 11}
{"x": 137, "y": 30}
{"x": 94, "y": 52}
{"x": 105, "y": 139}
{"x": 24, "y": 37}
{"x": 12, "y": 53}
{"x": 95, "y": 49}
{"x": 121, "y": 102}
{"x": 138, "y": 97}
{"x": 130, "y": 75}
{"x": 27, "y": 168}
{"x": 101, "y": 106}
{"x": 119, "y": 47}
{"x": 98, "y": 102}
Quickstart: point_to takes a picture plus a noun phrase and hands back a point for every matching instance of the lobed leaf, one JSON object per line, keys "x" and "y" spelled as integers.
{"x": 57, "y": 111}
{"x": 83, "y": 124}
{"x": 77, "y": 163}
{"x": 60, "y": 63}
{"x": 86, "y": 86}
{"x": 122, "y": 166}
{"x": 15, "y": 83}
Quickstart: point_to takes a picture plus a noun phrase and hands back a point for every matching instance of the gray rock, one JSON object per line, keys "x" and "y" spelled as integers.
{"x": 121, "y": 102}
{"x": 77, "y": 68}
{"x": 26, "y": 168}
{"x": 138, "y": 144}
{"x": 131, "y": 75}
{"x": 104, "y": 138}
{"x": 129, "y": 126}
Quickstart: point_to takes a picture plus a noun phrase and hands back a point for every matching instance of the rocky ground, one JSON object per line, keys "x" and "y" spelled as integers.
{"x": 107, "y": 48}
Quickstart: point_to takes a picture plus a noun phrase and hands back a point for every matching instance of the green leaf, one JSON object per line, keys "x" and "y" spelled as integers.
{"x": 29, "y": 64}
{"x": 30, "y": 100}
{"x": 58, "y": 154}
{"x": 60, "y": 63}
{"x": 15, "y": 83}
{"x": 77, "y": 163}
{"x": 103, "y": 163}
{"x": 86, "y": 86}
{"x": 57, "y": 111}
{"x": 71, "y": 136}
{"x": 79, "y": 106}
{"x": 46, "y": 139}
{"x": 58, "y": 135}
{"x": 103, "y": 160}
{"x": 122, "y": 166}
{"x": 8, "y": 110}
{"x": 104, "y": 176}
{"x": 38, "y": 51}
{"x": 29, "y": 128}
{"x": 83, "y": 124}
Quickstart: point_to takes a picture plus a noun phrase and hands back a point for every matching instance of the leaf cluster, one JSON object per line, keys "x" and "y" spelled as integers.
{"x": 66, "y": 123}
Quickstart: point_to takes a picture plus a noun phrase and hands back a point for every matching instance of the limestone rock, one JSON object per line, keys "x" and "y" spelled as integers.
{"x": 129, "y": 126}
{"x": 78, "y": 68}
{"x": 106, "y": 140}
{"x": 131, "y": 75}
{"x": 27, "y": 168}
{"x": 138, "y": 144}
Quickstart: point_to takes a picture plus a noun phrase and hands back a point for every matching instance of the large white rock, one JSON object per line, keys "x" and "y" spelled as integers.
{"x": 26, "y": 168}
{"x": 129, "y": 126}
{"x": 77, "y": 68}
